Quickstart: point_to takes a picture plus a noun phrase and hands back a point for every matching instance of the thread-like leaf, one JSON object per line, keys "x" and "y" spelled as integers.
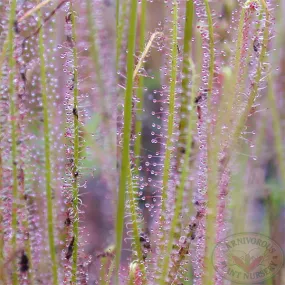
{"x": 48, "y": 174}
{"x": 125, "y": 163}
{"x": 14, "y": 137}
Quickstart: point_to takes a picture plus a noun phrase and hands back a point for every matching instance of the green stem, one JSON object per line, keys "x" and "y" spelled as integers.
{"x": 257, "y": 78}
{"x": 185, "y": 99}
{"x": 276, "y": 120}
{"x": 213, "y": 175}
{"x": 239, "y": 74}
{"x": 276, "y": 129}
{"x": 125, "y": 163}
{"x": 212, "y": 151}
{"x": 110, "y": 272}
{"x": 254, "y": 88}
{"x": 212, "y": 202}
{"x": 76, "y": 150}
{"x": 103, "y": 270}
{"x": 185, "y": 127}
{"x": 211, "y": 48}
{"x": 183, "y": 178}
{"x": 12, "y": 91}
{"x": 170, "y": 126}
{"x": 236, "y": 70}
{"x": 140, "y": 92}
{"x": 48, "y": 174}
{"x": 213, "y": 163}
{"x": 135, "y": 227}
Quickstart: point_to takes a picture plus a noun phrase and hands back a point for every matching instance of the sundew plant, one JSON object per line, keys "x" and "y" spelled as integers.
{"x": 136, "y": 135}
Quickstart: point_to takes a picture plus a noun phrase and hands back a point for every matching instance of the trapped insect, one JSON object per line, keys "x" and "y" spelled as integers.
{"x": 68, "y": 221}
{"x": 105, "y": 254}
{"x": 200, "y": 99}
{"x": 178, "y": 49}
{"x": 16, "y": 27}
{"x": 24, "y": 262}
{"x": 70, "y": 249}
{"x": 202, "y": 96}
{"x": 256, "y": 45}
{"x": 75, "y": 112}
{"x": 109, "y": 252}
{"x": 145, "y": 243}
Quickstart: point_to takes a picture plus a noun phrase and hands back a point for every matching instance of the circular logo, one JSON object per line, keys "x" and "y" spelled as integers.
{"x": 247, "y": 258}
